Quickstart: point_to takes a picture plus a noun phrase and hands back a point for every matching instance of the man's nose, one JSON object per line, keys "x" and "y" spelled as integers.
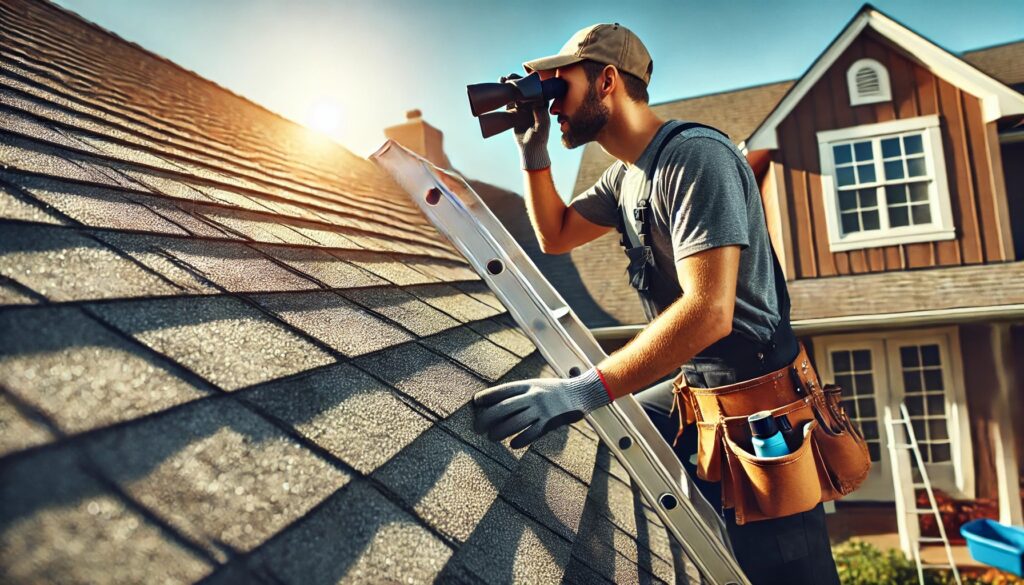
{"x": 556, "y": 108}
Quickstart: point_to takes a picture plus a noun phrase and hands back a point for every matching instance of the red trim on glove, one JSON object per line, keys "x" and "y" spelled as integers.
{"x": 607, "y": 390}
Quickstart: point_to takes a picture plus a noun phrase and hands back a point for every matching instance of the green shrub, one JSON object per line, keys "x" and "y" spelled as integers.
{"x": 860, "y": 563}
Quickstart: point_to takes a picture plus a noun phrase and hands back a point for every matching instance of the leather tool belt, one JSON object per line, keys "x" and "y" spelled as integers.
{"x": 831, "y": 461}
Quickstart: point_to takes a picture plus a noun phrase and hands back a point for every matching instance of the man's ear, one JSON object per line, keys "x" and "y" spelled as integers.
{"x": 608, "y": 80}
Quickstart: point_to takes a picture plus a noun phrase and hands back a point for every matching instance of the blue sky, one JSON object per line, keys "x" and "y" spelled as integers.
{"x": 366, "y": 63}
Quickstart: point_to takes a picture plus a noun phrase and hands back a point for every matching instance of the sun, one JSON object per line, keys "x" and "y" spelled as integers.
{"x": 324, "y": 116}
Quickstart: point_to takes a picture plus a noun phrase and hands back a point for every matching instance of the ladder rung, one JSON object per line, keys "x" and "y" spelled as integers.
{"x": 931, "y": 539}
{"x": 936, "y": 566}
{"x": 920, "y": 486}
{"x": 925, "y": 511}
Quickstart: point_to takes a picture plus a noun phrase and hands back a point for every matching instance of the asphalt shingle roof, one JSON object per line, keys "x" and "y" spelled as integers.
{"x": 231, "y": 352}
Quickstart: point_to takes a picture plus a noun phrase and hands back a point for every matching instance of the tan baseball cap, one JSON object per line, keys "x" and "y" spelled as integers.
{"x": 611, "y": 44}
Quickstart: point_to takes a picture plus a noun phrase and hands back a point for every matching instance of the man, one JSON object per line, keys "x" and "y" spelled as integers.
{"x": 700, "y": 256}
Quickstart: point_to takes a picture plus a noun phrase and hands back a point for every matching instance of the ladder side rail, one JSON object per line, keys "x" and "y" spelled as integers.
{"x": 567, "y": 344}
{"x": 926, "y": 481}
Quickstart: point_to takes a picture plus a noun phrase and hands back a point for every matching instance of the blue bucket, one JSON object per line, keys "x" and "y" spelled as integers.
{"x": 995, "y": 544}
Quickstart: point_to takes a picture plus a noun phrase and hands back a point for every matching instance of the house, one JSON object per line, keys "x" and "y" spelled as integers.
{"x": 894, "y": 195}
{"x": 233, "y": 352}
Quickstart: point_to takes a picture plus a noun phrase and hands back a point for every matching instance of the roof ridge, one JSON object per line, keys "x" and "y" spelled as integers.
{"x": 995, "y": 46}
{"x": 159, "y": 57}
{"x": 724, "y": 91}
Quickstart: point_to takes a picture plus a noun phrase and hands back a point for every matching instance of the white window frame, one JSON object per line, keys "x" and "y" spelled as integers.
{"x": 955, "y": 477}
{"x": 884, "y": 92}
{"x": 941, "y": 227}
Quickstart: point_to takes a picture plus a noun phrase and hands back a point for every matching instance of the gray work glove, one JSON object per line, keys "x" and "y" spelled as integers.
{"x": 533, "y": 142}
{"x": 534, "y": 407}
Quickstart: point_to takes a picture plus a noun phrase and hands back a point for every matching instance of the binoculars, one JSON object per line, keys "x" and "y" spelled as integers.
{"x": 512, "y": 91}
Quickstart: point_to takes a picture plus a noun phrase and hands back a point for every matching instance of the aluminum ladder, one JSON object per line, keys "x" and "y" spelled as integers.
{"x": 903, "y": 443}
{"x": 568, "y": 346}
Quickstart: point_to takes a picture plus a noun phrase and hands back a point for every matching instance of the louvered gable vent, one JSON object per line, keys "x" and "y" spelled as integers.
{"x": 868, "y": 82}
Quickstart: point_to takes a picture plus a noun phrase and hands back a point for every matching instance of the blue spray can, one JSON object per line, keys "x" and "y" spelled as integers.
{"x": 768, "y": 441}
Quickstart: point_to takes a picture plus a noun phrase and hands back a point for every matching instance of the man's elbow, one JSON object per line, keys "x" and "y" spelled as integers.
{"x": 720, "y": 319}
{"x": 550, "y": 247}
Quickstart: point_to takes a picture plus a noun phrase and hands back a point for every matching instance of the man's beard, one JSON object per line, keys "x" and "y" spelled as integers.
{"x": 587, "y": 122}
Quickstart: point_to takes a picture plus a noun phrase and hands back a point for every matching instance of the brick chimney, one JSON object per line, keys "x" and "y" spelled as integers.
{"x": 421, "y": 138}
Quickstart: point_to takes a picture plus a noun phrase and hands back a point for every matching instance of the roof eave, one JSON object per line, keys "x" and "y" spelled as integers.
{"x": 998, "y": 100}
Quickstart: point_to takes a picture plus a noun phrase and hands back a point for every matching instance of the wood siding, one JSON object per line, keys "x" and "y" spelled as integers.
{"x": 979, "y": 216}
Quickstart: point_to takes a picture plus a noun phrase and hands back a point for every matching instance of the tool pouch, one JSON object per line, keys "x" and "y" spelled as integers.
{"x": 830, "y": 461}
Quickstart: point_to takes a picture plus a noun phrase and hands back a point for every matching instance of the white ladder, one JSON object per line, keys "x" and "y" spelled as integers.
{"x": 568, "y": 346}
{"x": 901, "y": 445}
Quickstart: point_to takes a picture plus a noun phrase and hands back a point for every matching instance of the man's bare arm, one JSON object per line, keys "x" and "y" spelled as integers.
{"x": 702, "y": 316}
{"x": 559, "y": 228}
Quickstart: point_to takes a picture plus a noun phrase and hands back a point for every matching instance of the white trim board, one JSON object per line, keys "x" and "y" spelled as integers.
{"x": 997, "y": 100}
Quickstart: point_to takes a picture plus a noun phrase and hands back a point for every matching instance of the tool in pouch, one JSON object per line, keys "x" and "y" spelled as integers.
{"x": 567, "y": 345}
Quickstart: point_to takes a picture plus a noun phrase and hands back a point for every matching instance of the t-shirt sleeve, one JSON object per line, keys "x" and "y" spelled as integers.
{"x": 706, "y": 197}
{"x": 600, "y": 204}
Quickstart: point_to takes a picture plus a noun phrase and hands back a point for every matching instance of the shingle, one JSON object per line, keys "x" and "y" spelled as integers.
{"x": 604, "y": 550}
{"x": 432, "y": 380}
{"x": 59, "y": 525}
{"x": 79, "y": 374}
{"x": 38, "y": 158}
{"x": 322, "y": 266}
{"x": 386, "y": 267}
{"x": 97, "y": 207}
{"x": 345, "y": 411}
{"x": 236, "y": 267}
{"x": 146, "y": 250}
{"x": 460, "y": 423}
{"x": 230, "y": 198}
{"x": 63, "y": 265}
{"x": 19, "y": 430}
{"x": 403, "y": 308}
{"x": 14, "y": 205}
{"x": 505, "y": 336}
{"x": 507, "y": 547}
{"x": 20, "y": 123}
{"x": 329, "y": 317}
{"x": 126, "y": 153}
{"x": 253, "y": 229}
{"x": 222, "y": 339}
{"x": 328, "y": 238}
{"x": 167, "y": 186}
{"x": 358, "y": 536}
{"x": 217, "y": 472}
{"x": 444, "y": 271}
{"x": 457, "y": 304}
{"x": 481, "y": 292}
{"x": 448, "y": 483}
{"x": 476, "y": 353}
{"x": 11, "y": 294}
{"x": 178, "y": 213}
{"x": 548, "y": 494}
{"x": 569, "y": 449}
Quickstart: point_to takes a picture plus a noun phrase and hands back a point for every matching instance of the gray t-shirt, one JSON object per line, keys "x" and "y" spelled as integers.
{"x": 705, "y": 196}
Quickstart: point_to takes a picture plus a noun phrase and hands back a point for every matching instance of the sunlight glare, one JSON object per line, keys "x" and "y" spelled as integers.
{"x": 324, "y": 116}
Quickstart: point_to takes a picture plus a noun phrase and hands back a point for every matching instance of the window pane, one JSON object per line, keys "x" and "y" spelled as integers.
{"x": 896, "y": 194}
{"x": 898, "y": 217}
{"x": 890, "y": 147}
{"x": 870, "y": 219}
{"x": 862, "y": 151}
{"x": 862, "y": 360}
{"x": 940, "y": 452}
{"x": 937, "y": 405}
{"x": 908, "y": 356}
{"x": 930, "y": 355}
{"x": 844, "y": 176}
{"x": 933, "y": 379}
{"x": 845, "y": 381}
{"x": 919, "y": 430}
{"x": 869, "y": 429}
{"x": 847, "y": 200}
{"x": 937, "y": 430}
{"x": 840, "y": 361}
{"x": 868, "y": 197}
{"x": 865, "y": 384}
{"x": 866, "y": 408}
{"x": 866, "y": 173}
{"x": 843, "y": 154}
{"x": 919, "y": 191}
{"x": 912, "y": 381}
{"x": 894, "y": 169}
{"x": 875, "y": 451}
{"x": 850, "y": 223}
{"x": 912, "y": 144}
{"x": 915, "y": 167}
{"x": 922, "y": 214}
{"x": 915, "y": 405}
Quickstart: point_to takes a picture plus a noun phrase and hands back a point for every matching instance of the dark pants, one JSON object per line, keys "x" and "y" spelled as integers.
{"x": 792, "y": 550}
